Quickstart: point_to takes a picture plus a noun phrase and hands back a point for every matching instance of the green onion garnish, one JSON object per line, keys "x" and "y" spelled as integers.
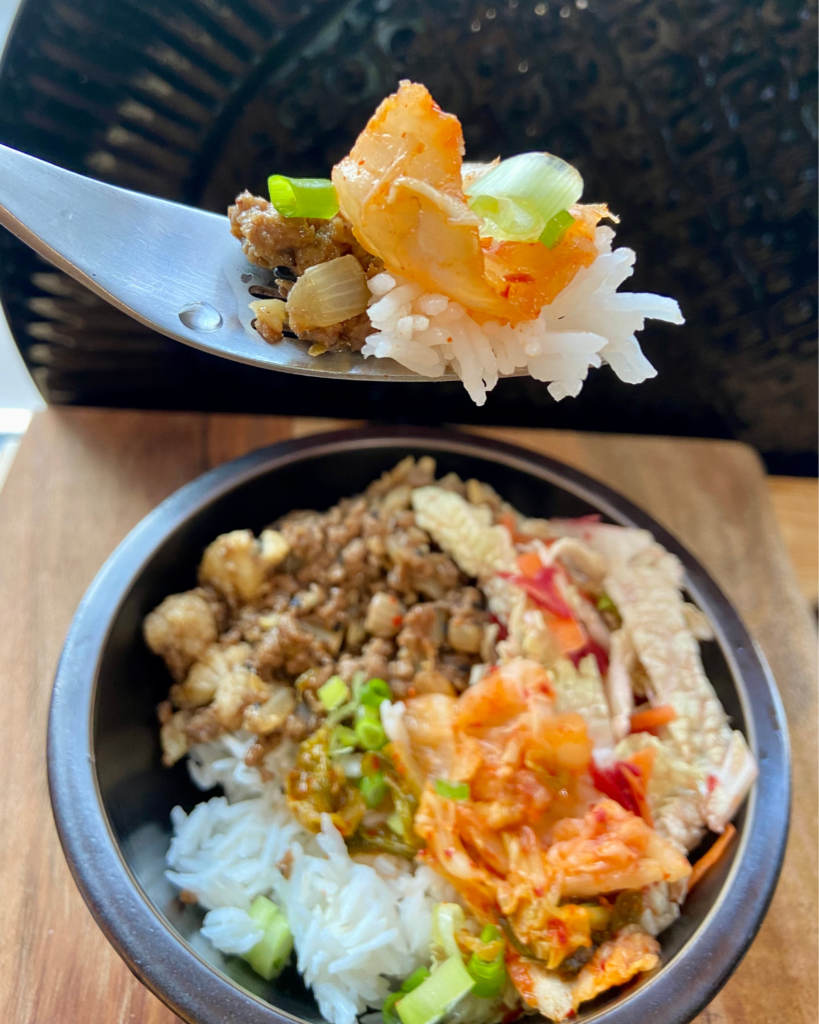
{"x": 333, "y": 693}
{"x": 303, "y": 197}
{"x": 342, "y": 712}
{"x": 538, "y": 185}
{"x": 396, "y": 825}
{"x": 388, "y": 1014}
{"x": 415, "y": 979}
{"x": 489, "y": 977}
{"x": 555, "y": 230}
{"x": 359, "y": 679}
{"x": 342, "y": 740}
{"x": 605, "y": 604}
{"x": 436, "y": 996}
{"x": 374, "y": 693}
{"x": 271, "y": 953}
{"x": 452, "y": 790}
{"x": 507, "y": 218}
{"x": 369, "y": 731}
{"x": 447, "y": 918}
{"x": 490, "y": 933}
{"x": 373, "y": 789}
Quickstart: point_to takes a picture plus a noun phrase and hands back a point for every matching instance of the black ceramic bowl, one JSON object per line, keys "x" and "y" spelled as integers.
{"x": 112, "y": 797}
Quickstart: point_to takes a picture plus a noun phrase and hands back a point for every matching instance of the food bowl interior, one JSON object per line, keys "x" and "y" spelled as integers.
{"x": 138, "y": 793}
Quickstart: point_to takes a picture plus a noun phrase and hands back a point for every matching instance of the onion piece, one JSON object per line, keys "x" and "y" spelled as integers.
{"x": 271, "y": 312}
{"x": 327, "y": 294}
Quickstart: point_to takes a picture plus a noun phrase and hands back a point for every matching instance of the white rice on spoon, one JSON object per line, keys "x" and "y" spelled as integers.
{"x": 588, "y": 323}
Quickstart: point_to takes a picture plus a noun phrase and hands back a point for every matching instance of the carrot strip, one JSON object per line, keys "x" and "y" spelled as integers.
{"x": 529, "y": 563}
{"x": 709, "y": 859}
{"x": 652, "y": 718}
{"x": 570, "y": 637}
{"x": 644, "y": 759}
{"x": 637, "y": 782}
{"x": 507, "y": 519}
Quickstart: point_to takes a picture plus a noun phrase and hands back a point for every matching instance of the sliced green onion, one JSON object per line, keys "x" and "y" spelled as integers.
{"x": 452, "y": 790}
{"x": 369, "y": 731}
{"x": 555, "y": 230}
{"x": 490, "y": 933}
{"x": 303, "y": 197}
{"x": 271, "y": 953}
{"x": 396, "y": 825}
{"x": 373, "y": 789}
{"x": 263, "y": 911}
{"x": 333, "y": 693}
{"x": 447, "y": 918}
{"x": 436, "y": 996}
{"x": 342, "y": 740}
{"x": 340, "y": 713}
{"x": 359, "y": 679}
{"x": 374, "y": 693}
{"x": 542, "y": 185}
{"x": 489, "y": 977}
{"x": 388, "y": 1014}
{"x": 509, "y": 219}
{"x": 605, "y": 604}
{"x": 415, "y": 979}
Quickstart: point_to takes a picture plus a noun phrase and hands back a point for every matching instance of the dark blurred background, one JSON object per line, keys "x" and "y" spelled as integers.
{"x": 694, "y": 119}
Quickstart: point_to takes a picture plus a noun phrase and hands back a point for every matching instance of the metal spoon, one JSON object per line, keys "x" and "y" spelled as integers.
{"x": 160, "y": 262}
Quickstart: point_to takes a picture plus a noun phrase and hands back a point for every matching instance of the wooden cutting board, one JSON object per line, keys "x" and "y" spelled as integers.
{"x": 83, "y": 478}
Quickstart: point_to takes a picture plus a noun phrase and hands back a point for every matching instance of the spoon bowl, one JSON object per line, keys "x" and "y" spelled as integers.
{"x": 167, "y": 265}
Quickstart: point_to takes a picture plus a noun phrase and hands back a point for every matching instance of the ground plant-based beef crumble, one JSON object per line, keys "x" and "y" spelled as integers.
{"x": 360, "y": 587}
{"x": 290, "y": 245}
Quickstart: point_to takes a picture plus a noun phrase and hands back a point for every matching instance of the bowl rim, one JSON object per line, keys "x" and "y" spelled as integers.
{"x": 196, "y": 990}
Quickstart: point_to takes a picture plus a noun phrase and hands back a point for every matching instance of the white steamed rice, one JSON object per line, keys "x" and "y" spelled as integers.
{"x": 355, "y": 924}
{"x": 589, "y": 323}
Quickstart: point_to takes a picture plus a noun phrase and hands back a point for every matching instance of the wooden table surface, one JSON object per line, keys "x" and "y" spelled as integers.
{"x": 83, "y": 478}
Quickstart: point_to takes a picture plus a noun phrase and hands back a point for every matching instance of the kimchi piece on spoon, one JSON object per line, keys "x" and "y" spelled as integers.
{"x": 408, "y": 253}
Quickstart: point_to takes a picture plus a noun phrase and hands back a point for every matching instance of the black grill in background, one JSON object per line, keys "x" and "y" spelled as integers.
{"x": 695, "y": 120}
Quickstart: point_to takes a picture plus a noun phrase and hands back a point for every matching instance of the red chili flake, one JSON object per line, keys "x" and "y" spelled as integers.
{"x": 396, "y": 620}
{"x": 449, "y": 852}
{"x": 711, "y": 783}
{"x": 612, "y": 782}
{"x": 519, "y": 278}
{"x": 590, "y": 647}
{"x": 503, "y": 632}
{"x": 543, "y": 590}
{"x": 538, "y": 891}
